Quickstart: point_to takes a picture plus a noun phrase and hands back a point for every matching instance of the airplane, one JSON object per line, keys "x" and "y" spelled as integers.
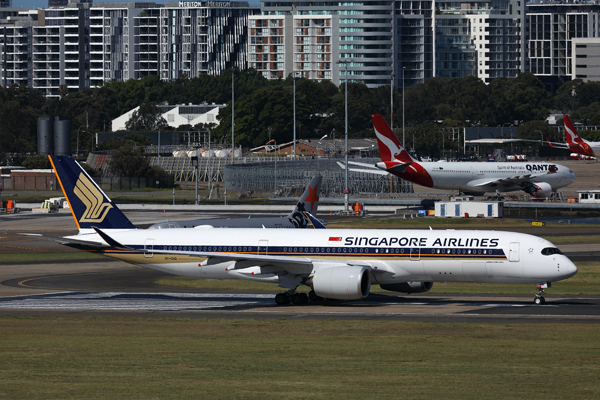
{"x": 576, "y": 143}
{"x": 538, "y": 179}
{"x": 338, "y": 264}
{"x": 309, "y": 202}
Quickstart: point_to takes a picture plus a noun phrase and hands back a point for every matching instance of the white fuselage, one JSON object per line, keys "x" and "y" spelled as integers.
{"x": 392, "y": 255}
{"x": 473, "y": 176}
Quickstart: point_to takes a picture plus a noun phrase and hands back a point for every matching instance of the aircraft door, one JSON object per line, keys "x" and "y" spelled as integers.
{"x": 415, "y": 253}
{"x": 513, "y": 251}
{"x": 263, "y": 246}
{"x": 149, "y": 248}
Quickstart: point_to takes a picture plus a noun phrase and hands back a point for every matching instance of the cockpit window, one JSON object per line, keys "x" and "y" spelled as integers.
{"x": 548, "y": 251}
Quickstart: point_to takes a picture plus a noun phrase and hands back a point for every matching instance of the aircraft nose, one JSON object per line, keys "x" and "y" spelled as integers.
{"x": 567, "y": 269}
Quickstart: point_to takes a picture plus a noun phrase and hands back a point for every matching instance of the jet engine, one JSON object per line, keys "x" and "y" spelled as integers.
{"x": 342, "y": 283}
{"x": 408, "y": 287}
{"x": 539, "y": 190}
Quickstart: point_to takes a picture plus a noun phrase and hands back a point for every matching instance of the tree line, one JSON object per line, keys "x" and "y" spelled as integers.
{"x": 264, "y": 108}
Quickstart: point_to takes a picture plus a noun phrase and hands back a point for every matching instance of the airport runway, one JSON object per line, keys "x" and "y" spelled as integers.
{"x": 111, "y": 288}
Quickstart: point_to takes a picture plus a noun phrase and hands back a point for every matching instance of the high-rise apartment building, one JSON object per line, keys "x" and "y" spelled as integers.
{"x": 480, "y": 38}
{"x": 15, "y": 45}
{"x": 552, "y": 28}
{"x": 324, "y": 40}
{"x": 86, "y": 44}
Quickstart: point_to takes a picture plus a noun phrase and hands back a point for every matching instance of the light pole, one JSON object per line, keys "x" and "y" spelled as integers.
{"x": 195, "y": 165}
{"x": 403, "y": 72}
{"x": 346, "y": 191}
{"x": 232, "y": 117}
{"x": 541, "y": 140}
{"x": 77, "y": 153}
{"x": 392, "y": 101}
{"x": 294, "y": 145}
{"x": 443, "y": 144}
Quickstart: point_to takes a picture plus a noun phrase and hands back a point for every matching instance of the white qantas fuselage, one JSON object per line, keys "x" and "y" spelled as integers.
{"x": 391, "y": 255}
{"x": 478, "y": 177}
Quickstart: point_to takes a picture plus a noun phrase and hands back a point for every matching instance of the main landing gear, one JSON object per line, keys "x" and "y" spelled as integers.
{"x": 539, "y": 299}
{"x": 291, "y": 296}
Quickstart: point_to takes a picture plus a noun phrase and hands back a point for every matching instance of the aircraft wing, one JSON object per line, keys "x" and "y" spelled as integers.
{"x": 516, "y": 179}
{"x": 67, "y": 241}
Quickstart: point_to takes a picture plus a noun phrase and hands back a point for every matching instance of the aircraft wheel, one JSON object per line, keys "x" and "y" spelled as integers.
{"x": 282, "y": 299}
{"x": 539, "y": 300}
{"x": 297, "y": 298}
{"x": 313, "y": 296}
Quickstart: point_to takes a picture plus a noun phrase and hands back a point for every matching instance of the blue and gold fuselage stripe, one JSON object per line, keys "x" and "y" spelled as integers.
{"x": 354, "y": 252}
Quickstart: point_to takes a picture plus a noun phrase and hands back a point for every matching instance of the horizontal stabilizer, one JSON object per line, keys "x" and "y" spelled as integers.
{"x": 315, "y": 222}
{"x": 373, "y": 170}
{"x": 111, "y": 242}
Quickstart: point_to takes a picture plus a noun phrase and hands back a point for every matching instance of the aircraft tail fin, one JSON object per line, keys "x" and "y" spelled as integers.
{"x": 309, "y": 201}
{"x": 571, "y": 132}
{"x": 90, "y": 206}
{"x": 390, "y": 147}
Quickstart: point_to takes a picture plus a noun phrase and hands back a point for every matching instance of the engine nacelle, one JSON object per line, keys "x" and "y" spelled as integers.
{"x": 539, "y": 190}
{"x": 408, "y": 287}
{"x": 342, "y": 283}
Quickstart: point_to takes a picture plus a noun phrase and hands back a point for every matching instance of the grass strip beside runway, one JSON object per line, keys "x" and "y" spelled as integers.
{"x": 139, "y": 358}
{"x": 585, "y": 282}
{"x": 9, "y": 258}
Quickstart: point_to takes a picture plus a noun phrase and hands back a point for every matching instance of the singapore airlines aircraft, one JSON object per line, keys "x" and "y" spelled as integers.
{"x": 309, "y": 202}
{"x": 576, "y": 143}
{"x": 335, "y": 263}
{"x": 539, "y": 179}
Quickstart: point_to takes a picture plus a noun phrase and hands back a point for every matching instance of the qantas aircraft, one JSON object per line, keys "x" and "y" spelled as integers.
{"x": 335, "y": 263}
{"x": 309, "y": 202}
{"x": 576, "y": 143}
{"x": 539, "y": 179}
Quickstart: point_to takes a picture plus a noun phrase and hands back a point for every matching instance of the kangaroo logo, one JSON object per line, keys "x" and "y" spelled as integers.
{"x": 92, "y": 198}
{"x": 391, "y": 146}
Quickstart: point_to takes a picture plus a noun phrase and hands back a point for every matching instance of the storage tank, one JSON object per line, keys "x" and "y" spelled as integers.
{"x": 222, "y": 153}
{"x": 208, "y": 153}
{"x": 45, "y": 135}
{"x": 62, "y": 136}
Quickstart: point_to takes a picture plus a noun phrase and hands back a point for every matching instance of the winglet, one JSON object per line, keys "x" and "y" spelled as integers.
{"x": 316, "y": 224}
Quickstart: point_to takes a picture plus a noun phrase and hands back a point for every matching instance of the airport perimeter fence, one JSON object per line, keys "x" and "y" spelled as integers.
{"x": 290, "y": 178}
{"x": 116, "y": 183}
{"x": 279, "y": 176}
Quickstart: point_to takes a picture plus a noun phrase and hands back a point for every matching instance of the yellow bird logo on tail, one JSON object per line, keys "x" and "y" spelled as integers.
{"x": 92, "y": 198}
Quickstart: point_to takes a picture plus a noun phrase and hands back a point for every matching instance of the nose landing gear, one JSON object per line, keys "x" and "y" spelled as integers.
{"x": 539, "y": 299}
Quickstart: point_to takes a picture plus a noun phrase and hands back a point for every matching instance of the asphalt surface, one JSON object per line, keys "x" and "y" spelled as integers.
{"x": 111, "y": 288}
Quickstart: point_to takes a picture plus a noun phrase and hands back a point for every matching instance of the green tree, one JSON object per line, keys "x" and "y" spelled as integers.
{"x": 129, "y": 161}
{"x": 37, "y": 162}
{"x": 134, "y": 139}
{"x": 146, "y": 118}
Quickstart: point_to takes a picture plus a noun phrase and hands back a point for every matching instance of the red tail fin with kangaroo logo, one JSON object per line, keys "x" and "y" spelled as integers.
{"x": 574, "y": 141}
{"x": 390, "y": 147}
